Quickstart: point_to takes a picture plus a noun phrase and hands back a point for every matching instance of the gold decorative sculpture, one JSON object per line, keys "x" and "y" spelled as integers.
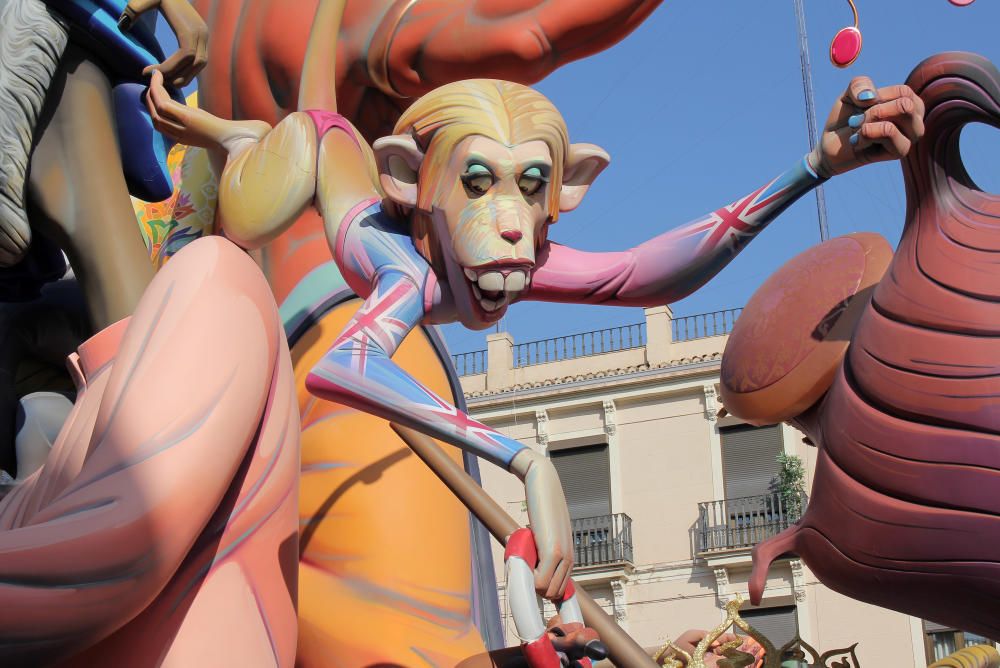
{"x": 796, "y": 650}
{"x": 977, "y": 656}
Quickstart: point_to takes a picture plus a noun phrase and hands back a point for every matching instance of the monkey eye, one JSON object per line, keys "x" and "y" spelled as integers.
{"x": 531, "y": 181}
{"x": 478, "y": 179}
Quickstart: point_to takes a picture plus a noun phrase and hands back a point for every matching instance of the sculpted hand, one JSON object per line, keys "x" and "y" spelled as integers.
{"x": 868, "y": 124}
{"x": 189, "y": 28}
{"x": 197, "y": 127}
{"x": 575, "y": 640}
{"x": 689, "y": 640}
{"x": 550, "y": 523}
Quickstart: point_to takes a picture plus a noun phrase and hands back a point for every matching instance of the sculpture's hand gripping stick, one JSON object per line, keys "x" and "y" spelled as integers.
{"x": 520, "y": 559}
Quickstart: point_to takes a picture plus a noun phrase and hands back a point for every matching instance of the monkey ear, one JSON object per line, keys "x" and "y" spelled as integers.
{"x": 398, "y": 158}
{"x": 583, "y": 163}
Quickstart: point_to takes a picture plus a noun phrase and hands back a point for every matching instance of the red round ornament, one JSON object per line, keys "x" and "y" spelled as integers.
{"x": 846, "y": 45}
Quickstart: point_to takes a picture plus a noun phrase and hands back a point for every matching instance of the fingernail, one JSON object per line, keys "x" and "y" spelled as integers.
{"x": 854, "y": 139}
{"x": 866, "y": 95}
{"x": 856, "y": 120}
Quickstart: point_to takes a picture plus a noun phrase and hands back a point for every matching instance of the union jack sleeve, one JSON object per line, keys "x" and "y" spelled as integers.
{"x": 358, "y": 370}
{"x": 674, "y": 264}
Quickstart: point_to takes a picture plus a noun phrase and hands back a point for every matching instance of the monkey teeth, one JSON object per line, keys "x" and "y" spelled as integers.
{"x": 490, "y": 305}
{"x": 514, "y": 282}
{"x": 493, "y": 289}
{"x": 491, "y": 281}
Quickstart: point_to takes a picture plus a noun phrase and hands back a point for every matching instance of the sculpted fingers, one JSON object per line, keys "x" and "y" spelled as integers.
{"x": 882, "y": 135}
{"x": 861, "y": 92}
{"x": 167, "y": 115}
{"x": 551, "y": 573}
{"x": 175, "y": 65}
{"x": 182, "y": 66}
{"x": 560, "y": 578}
{"x": 869, "y": 124}
{"x": 900, "y": 107}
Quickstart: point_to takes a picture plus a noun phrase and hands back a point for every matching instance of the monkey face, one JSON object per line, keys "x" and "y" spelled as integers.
{"x": 490, "y": 216}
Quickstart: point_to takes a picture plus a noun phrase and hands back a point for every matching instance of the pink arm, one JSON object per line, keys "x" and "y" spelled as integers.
{"x": 672, "y": 265}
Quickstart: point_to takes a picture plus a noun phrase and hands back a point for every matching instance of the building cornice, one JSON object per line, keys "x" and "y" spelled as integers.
{"x": 591, "y": 380}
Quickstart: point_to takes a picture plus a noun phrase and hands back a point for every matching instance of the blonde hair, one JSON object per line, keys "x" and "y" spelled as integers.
{"x": 500, "y": 110}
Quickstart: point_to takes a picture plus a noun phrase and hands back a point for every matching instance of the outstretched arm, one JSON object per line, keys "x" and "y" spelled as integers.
{"x": 377, "y": 253}
{"x": 422, "y": 44}
{"x": 866, "y": 125}
{"x": 674, "y": 264}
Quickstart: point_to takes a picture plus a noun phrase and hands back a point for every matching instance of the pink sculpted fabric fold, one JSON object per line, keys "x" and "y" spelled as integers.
{"x": 162, "y": 529}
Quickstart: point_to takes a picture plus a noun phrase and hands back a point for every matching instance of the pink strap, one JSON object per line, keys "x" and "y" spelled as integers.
{"x": 327, "y": 120}
{"x": 99, "y": 349}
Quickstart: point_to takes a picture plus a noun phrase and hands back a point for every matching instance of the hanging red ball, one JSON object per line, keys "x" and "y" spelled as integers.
{"x": 845, "y": 47}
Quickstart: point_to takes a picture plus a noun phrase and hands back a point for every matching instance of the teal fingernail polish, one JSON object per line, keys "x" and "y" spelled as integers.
{"x": 854, "y": 139}
{"x": 856, "y": 120}
{"x": 866, "y": 95}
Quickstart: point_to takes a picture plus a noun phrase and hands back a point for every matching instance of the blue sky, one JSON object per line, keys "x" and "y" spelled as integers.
{"x": 703, "y": 103}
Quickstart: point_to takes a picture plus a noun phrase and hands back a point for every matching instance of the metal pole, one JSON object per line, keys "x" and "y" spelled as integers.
{"x": 807, "y": 89}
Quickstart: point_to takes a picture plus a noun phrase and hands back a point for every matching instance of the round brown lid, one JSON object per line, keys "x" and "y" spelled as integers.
{"x": 793, "y": 333}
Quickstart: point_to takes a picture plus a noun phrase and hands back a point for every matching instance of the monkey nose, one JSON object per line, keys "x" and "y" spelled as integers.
{"x": 513, "y": 236}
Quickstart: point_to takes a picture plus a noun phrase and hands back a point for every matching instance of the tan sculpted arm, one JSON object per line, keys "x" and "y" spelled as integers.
{"x": 269, "y": 175}
{"x": 266, "y": 185}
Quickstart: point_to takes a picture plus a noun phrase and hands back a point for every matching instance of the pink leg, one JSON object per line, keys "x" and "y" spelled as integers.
{"x": 171, "y": 487}
{"x": 764, "y": 555}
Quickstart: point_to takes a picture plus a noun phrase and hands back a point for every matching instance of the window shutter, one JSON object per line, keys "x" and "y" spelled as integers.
{"x": 779, "y": 625}
{"x": 586, "y": 481}
{"x": 749, "y": 459}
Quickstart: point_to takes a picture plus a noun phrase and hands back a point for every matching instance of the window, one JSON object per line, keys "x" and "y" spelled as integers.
{"x": 779, "y": 625}
{"x": 586, "y": 480}
{"x": 944, "y": 640}
{"x": 749, "y": 459}
{"x": 942, "y": 644}
{"x": 753, "y": 511}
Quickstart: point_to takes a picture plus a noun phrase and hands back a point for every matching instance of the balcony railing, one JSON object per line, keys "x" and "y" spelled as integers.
{"x": 606, "y": 539}
{"x": 598, "y": 342}
{"x": 469, "y": 364}
{"x": 704, "y": 325}
{"x": 732, "y": 524}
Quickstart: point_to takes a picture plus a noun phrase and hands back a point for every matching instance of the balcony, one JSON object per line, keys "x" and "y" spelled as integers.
{"x": 735, "y": 524}
{"x": 638, "y": 338}
{"x": 603, "y": 540}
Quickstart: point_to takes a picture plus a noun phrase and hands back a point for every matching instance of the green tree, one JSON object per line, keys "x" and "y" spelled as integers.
{"x": 791, "y": 484}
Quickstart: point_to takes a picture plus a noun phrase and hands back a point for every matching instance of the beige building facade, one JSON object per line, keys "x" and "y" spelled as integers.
{"x": 667, "y": 498}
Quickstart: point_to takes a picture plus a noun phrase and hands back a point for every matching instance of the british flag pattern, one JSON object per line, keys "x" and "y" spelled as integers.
{"x": 379, "y": 261}
{"x": 358, "y": 370}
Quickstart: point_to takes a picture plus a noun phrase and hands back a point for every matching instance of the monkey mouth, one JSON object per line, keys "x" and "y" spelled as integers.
{"x": 496, "y": 285}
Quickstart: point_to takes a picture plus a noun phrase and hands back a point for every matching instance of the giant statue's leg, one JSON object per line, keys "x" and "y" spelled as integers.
{"x": 385, "y": 573}
{"x": 162, "y": 528}
{"x": 78, "y": 194}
